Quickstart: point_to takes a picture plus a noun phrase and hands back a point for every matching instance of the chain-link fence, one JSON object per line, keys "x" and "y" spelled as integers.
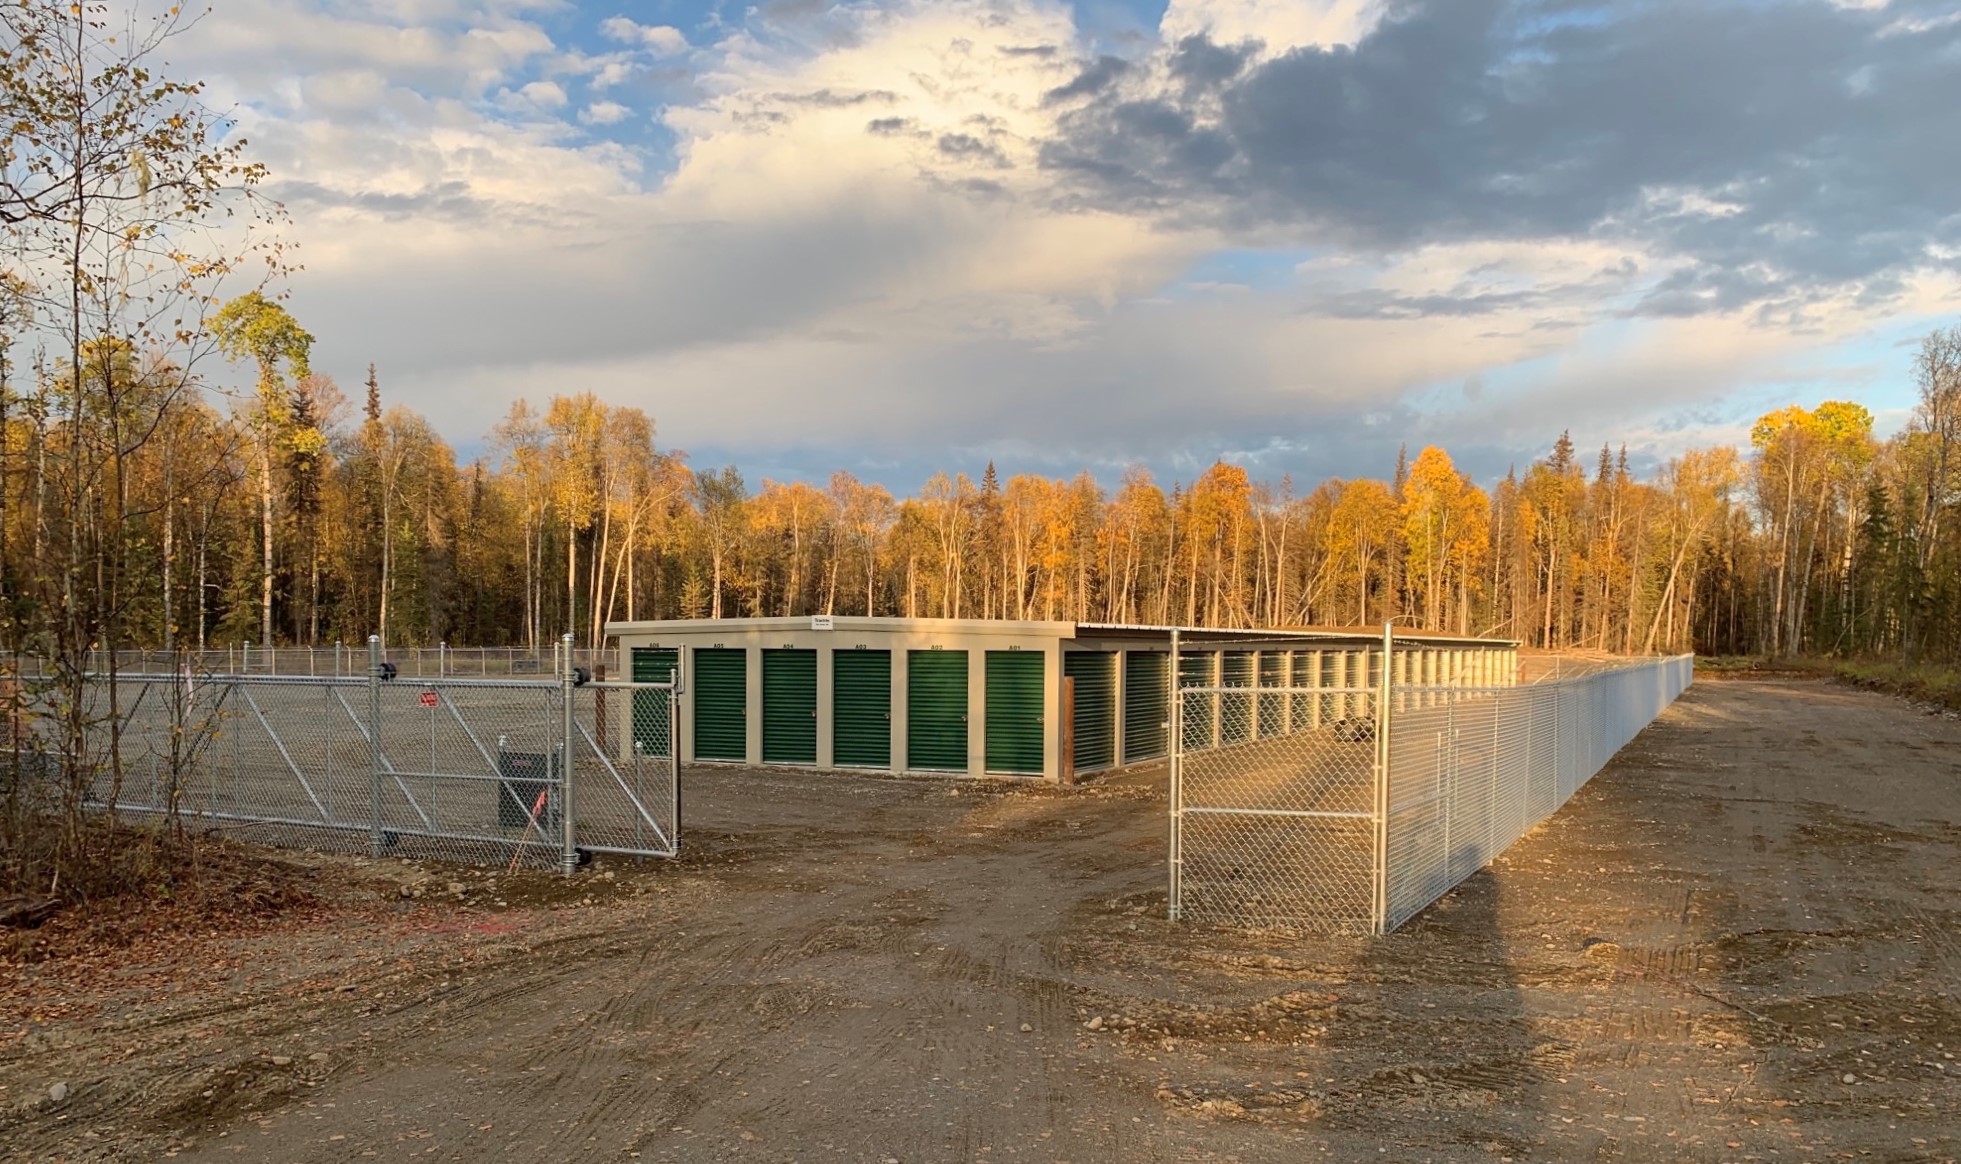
{"x": 346, "y": 660}
{"x": 1353, "y": 808}
{"x": 457, "y": 769}
{"x": 1470, "y": 770}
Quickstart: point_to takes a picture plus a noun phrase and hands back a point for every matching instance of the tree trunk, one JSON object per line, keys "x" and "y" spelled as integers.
{"x": 265, "y": 540}
{"x": 387, "y": 556}
{"x": 571, "y": 576}
{"x": 203, "y": 575}
{"x": 169, "y": 552}
{"x": 715, "y": 565}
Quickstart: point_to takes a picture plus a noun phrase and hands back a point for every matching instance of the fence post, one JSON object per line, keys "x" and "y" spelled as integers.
{"x": 1531, "y": 705}
{"x": 1447, "y": 776}
{"x": 1491, "y": 801}
{"x": 1380, "y": 862}
{"x": 569, "y": 852}
{"x": 1558, "y": 762}
{"x": 1176, "y": 754}
{"x": 374, "y": 743}
{"x": 673, "y": 761}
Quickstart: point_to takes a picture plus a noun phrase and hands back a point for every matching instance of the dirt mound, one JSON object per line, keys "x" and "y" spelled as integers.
{"x": 163, "y": 887}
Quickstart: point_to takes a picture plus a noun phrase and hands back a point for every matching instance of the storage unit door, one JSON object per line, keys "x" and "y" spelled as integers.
{"x": 1273, "y": 708}
{"x": 1195, "y": 670}
{"x": 789, "y": 706}
{"x": 1310, "y": 711}
{"x": 1014, "y": 711}
{"x": 1236, "y": 711}
{"x": 651, "y": 731}
{"x": 1095, "y": 723}
{"x": 1143, "y": 706}
{"x": 861, "y": 709}
{"x": 721, "y": 689}
{"x": 936, "y": 710}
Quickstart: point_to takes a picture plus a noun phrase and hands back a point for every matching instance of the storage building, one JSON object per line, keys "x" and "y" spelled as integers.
{"x": 988, "y": 697}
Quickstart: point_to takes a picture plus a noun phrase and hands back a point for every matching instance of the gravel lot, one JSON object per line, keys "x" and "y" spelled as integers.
{"x": 1742, "y": 941}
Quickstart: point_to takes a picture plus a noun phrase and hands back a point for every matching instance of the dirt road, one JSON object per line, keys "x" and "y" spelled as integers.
{"x": 1742, "y": 941}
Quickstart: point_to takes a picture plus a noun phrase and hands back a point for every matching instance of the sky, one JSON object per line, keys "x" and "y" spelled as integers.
{"x": 900, "y": 236}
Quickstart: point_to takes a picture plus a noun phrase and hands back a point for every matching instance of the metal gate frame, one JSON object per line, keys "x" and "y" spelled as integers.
{"x": 1320, "y": 791}
{"x": 243, "y": 751}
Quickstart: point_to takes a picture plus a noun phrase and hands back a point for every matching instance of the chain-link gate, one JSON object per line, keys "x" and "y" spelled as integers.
{"x": 1352, "y": 808}
{"x": 1274, "y": 815}
{"x": 507, "y": 772}
{"x": 626, "y": 792}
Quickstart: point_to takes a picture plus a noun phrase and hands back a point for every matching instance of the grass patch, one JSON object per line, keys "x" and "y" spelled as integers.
{"x": 1760, "y": 667}
{"x": 1935, "y": 683}
{"x": 1729, "y": 664}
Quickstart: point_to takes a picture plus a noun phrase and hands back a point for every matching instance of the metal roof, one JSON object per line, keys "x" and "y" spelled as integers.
{"x": 1370, "y": 634}
{"x": 1064, "y": 630}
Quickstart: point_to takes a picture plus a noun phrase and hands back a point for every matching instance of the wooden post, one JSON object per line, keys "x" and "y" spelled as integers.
{"x": 599, "y": 704}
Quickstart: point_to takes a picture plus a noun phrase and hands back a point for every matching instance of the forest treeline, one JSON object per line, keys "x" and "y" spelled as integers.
{"x": 298, "y": 516}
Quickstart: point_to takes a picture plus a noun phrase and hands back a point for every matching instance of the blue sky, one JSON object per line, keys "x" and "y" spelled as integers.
{"x": 894, "y": 237}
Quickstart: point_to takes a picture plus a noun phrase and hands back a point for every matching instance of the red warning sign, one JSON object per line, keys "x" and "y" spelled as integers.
{"x": 429, "y": 699}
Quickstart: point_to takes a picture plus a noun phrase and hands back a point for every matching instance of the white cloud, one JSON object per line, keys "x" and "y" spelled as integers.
{"x": 1917, "y": 25}
{"x": 252, "y": 49}
{"x": 355, "y": 91}
{"x": 660, "y": 39}
{"x": 604, "y": 113}
{"x": 544, "y": 94}
{"x": 611, "y": 72}
{"x": 1281, "y": 24}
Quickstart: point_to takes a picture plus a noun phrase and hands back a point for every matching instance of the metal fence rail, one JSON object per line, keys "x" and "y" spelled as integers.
{"x": 346, "y": 660}
{"x": 499, "y": 771}
{"x": 1362, "y": 806}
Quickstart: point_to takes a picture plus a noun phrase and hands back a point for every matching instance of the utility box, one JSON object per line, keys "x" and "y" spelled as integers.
{"x": 526, "y": 790}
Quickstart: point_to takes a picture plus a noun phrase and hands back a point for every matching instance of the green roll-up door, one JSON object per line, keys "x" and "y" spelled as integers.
{"x": 651, "y": 729}
{"x": 861, "y": 709}
{"x": 1143, "y": 706}
{"x": 936, "y": 710}
{"x": 721, "y": 692}
{"x": 1236, "y": 711}
{"x": 1273, "y": 708}
{"x": 1095, "y": 673}
{"x": 1014, "y": 711}
{"x": 789, "y": 706}
{"x": 1195, "y": 670}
